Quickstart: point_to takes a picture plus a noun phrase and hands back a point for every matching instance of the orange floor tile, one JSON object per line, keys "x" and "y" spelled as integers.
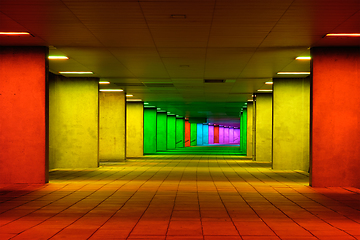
{"x": 173, "y": 197}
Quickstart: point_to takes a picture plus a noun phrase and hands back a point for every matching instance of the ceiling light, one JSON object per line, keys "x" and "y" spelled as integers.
{"x": 342, "y": 35}
{"x": 76, "y": 72}
{"x": 269, "y": 83}
{"x": 250, "y": 100}
{"x": 303, "y": 58}
{"x": 111, "y": 90}
{"x": 58, "y": 57}
{"x": 146, "y": 103}
{"x": 134, "y": 100}
{"x": 294, "y": 73}
{"x": 129, "y": 95}
{"x": 265, "y": 90}
{"x": 14, "y": 33}
{"x": 104, "y": 82}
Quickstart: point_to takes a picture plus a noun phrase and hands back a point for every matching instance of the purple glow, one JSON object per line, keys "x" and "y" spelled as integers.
{"x": 226, "y": 135}
{"x": 231, "y": 135}
{"x": 221, "y": 135}
{"x": 237, "y": 135}
{"x": 211, "y": 134}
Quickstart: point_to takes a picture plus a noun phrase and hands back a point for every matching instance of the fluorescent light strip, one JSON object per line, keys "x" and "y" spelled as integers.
{"x": 129, "y": 95}
{"x": 76, "y": 72}
{"x": 269, "y": 83}
{"x": 265, "y": 90}
{"x": 111, "y": 90}
{"x": 303, "y": 58}
{"x": 342, "y": 35}
{"x": 14, "y": 33}
{"x": 104, "y": 82}
{"x": 250, "y": 100}
{"x": 134, "y": 100}
{"x": 294, "y": 73}
{"x": 58, "y": 57}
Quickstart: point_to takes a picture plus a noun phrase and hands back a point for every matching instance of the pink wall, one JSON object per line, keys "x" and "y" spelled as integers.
{"x": 335, "y": 128}
{"x": 24, "y": 115}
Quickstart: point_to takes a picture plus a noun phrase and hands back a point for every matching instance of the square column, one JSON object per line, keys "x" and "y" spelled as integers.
{"x": 161, "y": 128}
{"x": 237, "y": 135}
{"x": 226, "y": 135}
{"x": 221, "y": 134}
{"x": 263, "y": 127}
{"x": 249, "y": 129}
{"x": 211, "y": 134}
{"x": 199, "y": 132}
{"x": 134, "y": 129}
{"x": 205, "y": 134}
{"x": 171, "y": 132}
{"x": 187, "y": 133}
{"x": 180, "y": 132}
{"x": 231, "y": 135}
{"x": 216, "y": 134}
{"x": 149, "y": 130}
{"x": 193, "y": 134}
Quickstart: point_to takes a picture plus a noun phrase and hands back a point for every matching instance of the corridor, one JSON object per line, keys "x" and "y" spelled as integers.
{"x": 208, "y": 197}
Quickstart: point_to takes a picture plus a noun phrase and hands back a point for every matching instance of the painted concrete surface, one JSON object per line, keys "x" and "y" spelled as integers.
{"x": 237, "y": 135}
{"x": 180, "y": 133}
{"x": 193, "y": 134}
{"x": 231, "y": 135}
{"x": 205, "y": 134}
{"x": 226, "y": 135}
{"x": 291, "y": 124}
{"x": 249, "y": 133}
{"x": 171, "y": 132}
{"x": 112, "y": 126}
{"x": 211, "y": 134}
{"x": 73, "y": 123}
{"x": 199, "y": 137}
{"x": 221, "y": 134}
{"x": 263, "y": 127}
{"x": 149, "y": 130}
{"x": 134, "y": 129}
{"x": 161, "y": 127}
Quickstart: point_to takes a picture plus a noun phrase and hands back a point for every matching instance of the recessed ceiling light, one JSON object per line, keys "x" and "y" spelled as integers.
{"x": 250, "y": 100}
{"x": 14, "y": 33}
{"x": 342, "y": 35}
{"x": 58, "y": 57}
{"x": 104, "y": 82}
{"x": 146, "y": 103}
{"x": 76, "y": 72}
{"x": 111, "y": 90}
{"x": 134, "y": 100}
{"x": 294, "y": 73}
{"x": 303, "y": 58}
{"x": 129, "y": 95}
{"x": 269, "y": 83}
{"x": 265, "y": 90}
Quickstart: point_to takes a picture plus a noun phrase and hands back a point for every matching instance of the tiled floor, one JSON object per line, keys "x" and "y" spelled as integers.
{"x": 179, "y": 197}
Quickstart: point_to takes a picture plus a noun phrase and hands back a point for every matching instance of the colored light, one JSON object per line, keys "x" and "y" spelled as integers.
{"x": 303, "y": 58}
{"x": 111, "y": 90}
{"x": 342, "y": 35}
{"x": 265, "y": 90}
{"x": 294, "y": 73}
{"x": 269, "y": 83}
{"x": 134, "y": 100}
{"x": 58, "y": 57}
{"x": 250, "y": 100}
{"x": 146, "y": 103}
{"x": 104, "y": 82}
{"x": 14, "y": 33}
{"x": 76, "y": 72}
{"x": 129, "y": 95}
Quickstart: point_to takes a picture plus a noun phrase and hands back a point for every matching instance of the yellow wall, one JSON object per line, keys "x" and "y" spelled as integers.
{"x": 134, "y": 129}
{"x": 291, "y": 122}
{"x": 73, "y": 122}
{"x": 263, "y": 127}
{"x": 112, "y": 126}
{"x": 249, "y": 129}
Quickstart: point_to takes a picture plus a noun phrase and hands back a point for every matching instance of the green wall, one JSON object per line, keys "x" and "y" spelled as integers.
{"x": 291, "y": 124}
{"x": 73, "y": 122}
{"x": 149, "y": 130}
{"x": 180, "y": 133}
{"x": 112, "y": 126}
{"x": 264, "y": 127}
{"x": 171, "y": 129}
{"x": 134, "y": 129}
{"x": 161, "y": 131}
{"x": 193, "y": 134}
{"x": 243, "y": 131}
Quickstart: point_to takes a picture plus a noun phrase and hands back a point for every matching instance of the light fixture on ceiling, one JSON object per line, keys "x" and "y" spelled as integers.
{"x": 293, "y": 73}
{"x": 111, "y": 90}
{"x": 146, "y": 103}
{"x": 104, "y": 82}
{"x": 134, "y": 100}
{"x": 342, "y": 35}
{"x": 250, "y": 100}
{"x": 265, "y": 90}
{"x": 178, "y": 16}
{"x": 129, "y": 95}
{"x": 76, "y": 72}
{"x": 15, "y": 33}
{"x": 58, "y": 57}
{"x": 303, "y": 58}
{"x": 269, "y": 83}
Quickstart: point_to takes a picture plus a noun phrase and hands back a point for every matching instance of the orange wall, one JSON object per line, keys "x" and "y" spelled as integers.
{"x": 335, "y": 128}
{"x": 216, "y": 134}
{"x": 24, "y": 115}
{"x": 187, "y": 133}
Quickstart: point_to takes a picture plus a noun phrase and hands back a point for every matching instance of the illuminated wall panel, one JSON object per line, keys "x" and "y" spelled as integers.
{"x": 171, "y": 132}
{"x": 134, "y": 129}
{"x": 149, "y": 130}
{"x": 199, "y": 138}
{"x": 205, "y": 134}
{"x": 187, "y": 133}
{"x": 263, "y": 127}
{"x": 161, "y": 131}
{"x": 180, "y": 133}
{"x": 211, "y": 134}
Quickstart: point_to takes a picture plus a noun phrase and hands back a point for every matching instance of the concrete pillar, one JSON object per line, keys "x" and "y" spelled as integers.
{"x": 291, "y": 124}
{"x": 211, "y": 134}
{"x": 205, "y": 134}
{"x": 180, "y": 132}
{"x": 199, "y": 137}
{"x": 171, "y": 132}
{"x": 249, "y": 132}
{"x": 335, "y": 127}
{"x": 237, "y": 135}
{"x": 216, "y": 134}
{"x": 134, "y": 129}
{"x": 161, "y": 131}
{"x": 149, "y": 130}
{"x": 74, "y": 122}
{"x": 187, "y": 133}
{"x": 243, "y": 131}
{"x": 226, "y": 135}
{"x": 24, "y": 115}
{"x": 263, "y": 127}
{"x": 231, "y": 134}
{"x": 193, "y": 134}
{"x": 221, "y": 134}
{"x": 112, "y": 126}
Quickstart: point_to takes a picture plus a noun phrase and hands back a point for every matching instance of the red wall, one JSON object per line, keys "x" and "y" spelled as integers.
{"x": 24, "y": 115}
{"x": 187, "y": 133}
{"x": 335, "y": 130}
{"x": 216, "y": 134}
